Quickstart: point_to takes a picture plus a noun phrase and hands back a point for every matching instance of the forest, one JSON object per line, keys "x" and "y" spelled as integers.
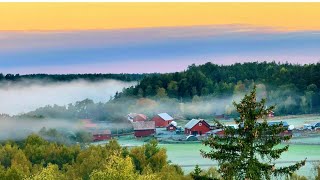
{"x": 200, "y": 91}
{"x": 293, "y": 87}
{"x": 35, "y": 158}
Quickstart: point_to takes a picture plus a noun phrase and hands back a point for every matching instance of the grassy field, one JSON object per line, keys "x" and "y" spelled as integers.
{"x": 188, "y": 155}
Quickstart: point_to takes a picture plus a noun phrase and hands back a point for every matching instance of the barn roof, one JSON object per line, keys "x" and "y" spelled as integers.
{"x": 165, "y": 116}
{"x": 171, "y": 125}
{"x": 101, "y": 131}
{"x": 142, "y": 116}
{"x": 193, "y": 122}
{"x": 144, "y": 125}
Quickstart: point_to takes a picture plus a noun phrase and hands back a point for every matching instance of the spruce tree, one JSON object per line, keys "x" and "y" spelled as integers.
{"x": 250, "y": 151}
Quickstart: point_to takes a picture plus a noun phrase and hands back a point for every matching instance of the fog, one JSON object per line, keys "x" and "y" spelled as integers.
{"x": 18, "y": 129}
{"x": 17, "y": 98}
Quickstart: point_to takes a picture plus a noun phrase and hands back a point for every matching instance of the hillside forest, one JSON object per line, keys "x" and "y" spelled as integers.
{"x": 199, "y": 91}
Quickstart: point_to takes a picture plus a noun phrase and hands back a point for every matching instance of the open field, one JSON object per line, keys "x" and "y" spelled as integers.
{"x": 188, "y": 155}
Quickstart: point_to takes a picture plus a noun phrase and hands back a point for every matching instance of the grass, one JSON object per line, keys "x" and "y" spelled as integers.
{"x": 188, "y": 155}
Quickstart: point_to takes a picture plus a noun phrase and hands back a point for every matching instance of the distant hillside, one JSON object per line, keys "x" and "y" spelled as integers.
{"x": 293, "y": 87}
{"x": 70, "y": 77}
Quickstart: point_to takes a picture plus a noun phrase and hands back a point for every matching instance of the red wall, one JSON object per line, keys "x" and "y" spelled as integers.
{"x": 160, "y": 122}
{"x": 142, "y": 133}
{"x": 201, "y": 130}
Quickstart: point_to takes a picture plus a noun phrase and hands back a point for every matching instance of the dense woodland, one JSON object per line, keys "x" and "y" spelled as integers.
{"x": 199, "y": 91}
{"x": 294, "y": 88}
{"x": 36, "y": 159}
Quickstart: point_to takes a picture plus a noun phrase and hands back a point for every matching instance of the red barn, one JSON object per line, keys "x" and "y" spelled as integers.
{"x": 162, "y": 119}
{"x": 144, "y": 128}
{"x": 140, "y": 117}
{"x": 197, "y": 127}
{"x": 101, "y": 135}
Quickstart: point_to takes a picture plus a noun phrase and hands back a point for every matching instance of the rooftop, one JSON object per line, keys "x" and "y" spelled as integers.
{"x": 144, "y": 125}
{"x": 192, "y": 123}
{"x": 165, "y": 116}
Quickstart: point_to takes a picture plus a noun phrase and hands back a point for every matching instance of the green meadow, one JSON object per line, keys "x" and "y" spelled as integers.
{"x": 188, "y": 155}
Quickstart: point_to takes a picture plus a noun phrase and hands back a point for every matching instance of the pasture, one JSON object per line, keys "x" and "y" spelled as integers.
{"x": 188, "y": 155}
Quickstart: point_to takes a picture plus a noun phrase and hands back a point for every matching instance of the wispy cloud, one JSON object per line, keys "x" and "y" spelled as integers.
{"x": 159, "y": 47}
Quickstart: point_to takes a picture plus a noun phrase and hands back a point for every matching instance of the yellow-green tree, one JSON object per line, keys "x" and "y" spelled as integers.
{"x": 51, "y": 172}
{"x": 117, "y": 168}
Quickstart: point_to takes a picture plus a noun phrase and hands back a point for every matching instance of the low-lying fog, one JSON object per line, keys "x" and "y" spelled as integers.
{"x": 17, "y": 98}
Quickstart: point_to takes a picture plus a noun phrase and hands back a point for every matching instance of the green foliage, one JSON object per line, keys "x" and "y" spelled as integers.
{"x": 40, "y": 151}
{"x": 210, "y": 174}
{"x": 281, "y": 81}
{"x": 115, "y": 167}
{"x": 317, "y": 168}
{"x": 149, "y": 155}
{"x": 196, "y": 172}
{"x": 296, "y": 177}
{"x": 249, "y": 152}
{"x": 51, "y": 172}
{"x": 37, "y": 158}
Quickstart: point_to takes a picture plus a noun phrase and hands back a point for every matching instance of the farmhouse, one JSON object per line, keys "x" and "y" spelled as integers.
{"x": 197, "y": 127}
{"x": 172, "y": 126}
{"x": 162, "y": 119}
{"x": 144, "y": 128}
{"x": 101, "y": 135}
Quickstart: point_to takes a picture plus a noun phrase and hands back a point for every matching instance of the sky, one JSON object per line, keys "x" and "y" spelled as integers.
{"x": 153, "y": 37}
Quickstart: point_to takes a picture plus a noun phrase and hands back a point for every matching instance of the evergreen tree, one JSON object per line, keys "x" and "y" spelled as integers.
{"x": 249, "y": 151}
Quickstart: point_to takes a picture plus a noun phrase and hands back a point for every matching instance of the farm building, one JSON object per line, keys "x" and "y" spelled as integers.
{"x": 101, "y": 135}
{"x": 162, "y": 119}
{"x": 172, "y": 126}
{"x": 144, "y": 128}
{"x": 134, "y": 117}
{"x": 140, "y": 117}
{"x": 197, "y": 127}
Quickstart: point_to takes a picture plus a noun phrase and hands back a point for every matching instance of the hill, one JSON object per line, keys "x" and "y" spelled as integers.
{"x": 294, "y": 87}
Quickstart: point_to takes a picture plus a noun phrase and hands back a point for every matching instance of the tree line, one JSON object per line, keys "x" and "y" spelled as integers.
{"x": 35, "y": 158}
{"x": 69, "y": 77}
{"x": 293, "y": 87}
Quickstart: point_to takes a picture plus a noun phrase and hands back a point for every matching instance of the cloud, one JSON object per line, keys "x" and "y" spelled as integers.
{"x": 23, "y": 51}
